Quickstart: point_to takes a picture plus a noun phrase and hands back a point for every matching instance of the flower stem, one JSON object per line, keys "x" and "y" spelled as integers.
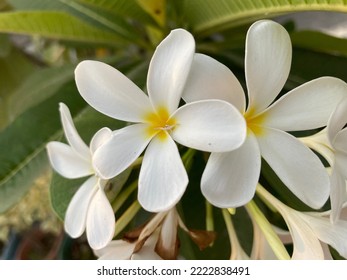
{"x": 236, "y": 249}
{"x": 123, "y": 196}
{"x": 209, "y": 216}
{"x": 187, "y": 158}
{"x": 127, "y": 216}
{"x": 269, "y": 233}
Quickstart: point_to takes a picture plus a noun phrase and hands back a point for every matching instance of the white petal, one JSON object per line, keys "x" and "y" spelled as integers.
{"x": 306, "y": 244}
{"x": 210, "y": 79}
{"x": 163, "y": 178}
{"x": 341, "y": 164}
{"x": 116, "y": 250}
{"x": 209, "y": 125}
{"x": 71, "y": 133}
{"x": 296, "y": 165}
{"x": 67, "y": 162}
{"x": 267, "y": 63}
{"x": 101, "y": 137}
{"x": 340, "y": 141}
{"x": 169, "y": 69}
{"x": 110, "y": 92}
{"x": 338, "y": 119}
{"x": 167, "y": 242}
{"x": 332, "y": 234}
{"x": 76, "y": 213}
{"x": 308, "y": 106}
{"x": 121, "y": 150}
{"x": 100, "y": 221}
{"x": 230, "y": 179}
{"x": 337, "y": 193}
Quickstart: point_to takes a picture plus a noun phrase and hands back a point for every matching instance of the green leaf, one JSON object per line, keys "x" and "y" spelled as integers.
{"x": 23, "y": 157}
{"x": 125, "y": 8}
{"x": 38, "y": 87}
{"x": 55, "y": 25}
{"x": 11, "y": 75}
{"x": 206, "y": 17}
{"x": 317, "y": 41}
{"x": 88, "y": 122}
{"x": 92, "y": 15}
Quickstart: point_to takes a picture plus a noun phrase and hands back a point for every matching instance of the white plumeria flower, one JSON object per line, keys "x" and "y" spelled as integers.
{"x": 209, "y": 125}
{"x": 230, "y": 179}
{"x": 331, "y": 143}
{"x": 89, "y": 208}
{"x": 310, "y": 231}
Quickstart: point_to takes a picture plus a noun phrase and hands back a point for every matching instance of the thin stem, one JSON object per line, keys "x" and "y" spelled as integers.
{"x": 235, "y": 247}
{"x": 268, "y": 231}
{"x": 123, "y": 196}
{"x": 127, "y": 216}
{"x": 209, "y": 216}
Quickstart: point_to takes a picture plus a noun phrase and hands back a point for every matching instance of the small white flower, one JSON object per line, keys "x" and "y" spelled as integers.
{"x": 89, "y": 208}
{"x": 230, "y": 179}
{"x": 209, "y": 125}
{"x": 331, "y": 143}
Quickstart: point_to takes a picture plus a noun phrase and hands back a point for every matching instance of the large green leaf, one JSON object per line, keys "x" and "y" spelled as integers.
{"x": 22, "y": 156}
{"x": 124, "y": 8}
{"x": 11, "y": 75}
{"x": 38, "y": 87}
{"x": 92, "y": 15}
{"x": 210, "y": 16}
{"x": 56, "y": 25}
{"x": 317, "y": 41}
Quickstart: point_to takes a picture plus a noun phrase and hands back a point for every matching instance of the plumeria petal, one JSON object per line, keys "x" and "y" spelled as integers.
{"x": 121, "y": 150}
{"x": 102, "y": 136}
{"x": 169, "y": 69}
{"x": 296, "y": 165}
{"x": 332, "y": 234}
{"x": 337, "y": 193}
{"x": 308, "y": 106}
{"x": 100, "y": 221}
{"x": 116, "y": 250}
{"x": 337, "y": 120}
{"x": 167, "y": 245}
{"x": 341, "y": 164}
{"x": 230, "y": 179}
{"x": 306, "y": 244}
{"x": 267, "y": 62}
{"x": 71, "y": 134}
{"x": 163, "y": 178}
{"x": 110, "y": 92}
{"x": 210, "y": 79}
{"x": 67, "y": 162}
{"x": 209, "y": 125}
{"x": 340, "y": 141}
{"x": 76, "y": 213}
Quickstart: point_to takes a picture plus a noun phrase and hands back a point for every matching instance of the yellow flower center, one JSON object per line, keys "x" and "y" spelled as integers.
{"x": 160, "y": 123}
{"x": 255, "y": 122}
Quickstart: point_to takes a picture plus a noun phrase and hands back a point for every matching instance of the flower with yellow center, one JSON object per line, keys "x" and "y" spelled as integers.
{"x": 230, "y": 179}
{"x": 208, "y": 125}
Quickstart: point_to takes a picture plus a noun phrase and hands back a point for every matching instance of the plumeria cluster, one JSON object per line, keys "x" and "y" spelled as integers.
{"x": 194, "y": 102}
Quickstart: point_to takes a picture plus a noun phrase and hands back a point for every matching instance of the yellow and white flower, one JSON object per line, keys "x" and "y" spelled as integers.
{"x": 208, "y": 125}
